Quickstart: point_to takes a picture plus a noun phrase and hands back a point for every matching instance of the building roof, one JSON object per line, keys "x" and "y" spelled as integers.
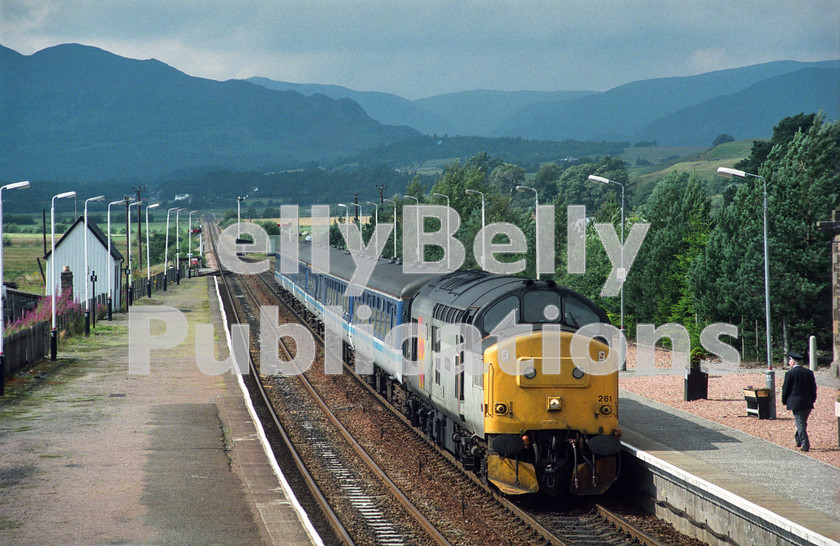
{"x": 97, "y": 233}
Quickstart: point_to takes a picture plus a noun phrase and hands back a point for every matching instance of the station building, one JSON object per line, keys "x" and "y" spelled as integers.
{"x": 70, "y": 252}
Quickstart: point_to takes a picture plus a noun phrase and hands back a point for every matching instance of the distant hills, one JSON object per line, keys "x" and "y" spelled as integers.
{"x": 74, "y": 112}
{"x": 743, "y": 102}
{"x": 80, "y": 113}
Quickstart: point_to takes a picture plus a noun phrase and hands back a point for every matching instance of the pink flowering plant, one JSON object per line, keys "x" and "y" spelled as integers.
{"x": 65, "y": 307}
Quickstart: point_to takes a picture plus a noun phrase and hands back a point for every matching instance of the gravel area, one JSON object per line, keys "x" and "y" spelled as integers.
{"x": 726, "y": 405}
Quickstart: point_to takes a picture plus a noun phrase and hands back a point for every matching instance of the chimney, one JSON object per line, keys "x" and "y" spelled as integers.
{"x": 66, "y": 280}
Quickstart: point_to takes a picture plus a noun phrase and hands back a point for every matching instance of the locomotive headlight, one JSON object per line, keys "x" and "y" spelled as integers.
{"x": 577, "y": 373}
{"x": 530, "y": 372}
{"x": 605, "y": 410}
{"x": 500, "y": 409}
{"x": 554, "y": 403}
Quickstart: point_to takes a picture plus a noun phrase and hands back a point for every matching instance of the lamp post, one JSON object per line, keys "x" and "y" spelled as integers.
{"x": 148, "y": 261}
{"x": 128, "y": 271}
{"x": 536, "y": 227}
{"x": 395, "y": 224}
{"x": 375, "y": 222}
{"x": 53, "y": 333}
{"x": 770, "y": 374}
{"x": 239, "y": 200}
{"x": 166, "y": 251}
{"x": 110, "y": 270}
{"x": 483, "y": 235}
{"x": 12, "y": 186}
{"x": 346, "y": 222}
{"x": 417, "y": 227}
{"x": 189, "y": 245}
{"x": 178, "y": 245}
{"x": 621, "y": 274}
{"x": 448, "y": 255}
{"x": 87, "y": 267}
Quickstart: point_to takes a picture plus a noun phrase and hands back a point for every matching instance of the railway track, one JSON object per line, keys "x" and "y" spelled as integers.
{"x": 594, "y": 525}
{"x": 360, "y": 517}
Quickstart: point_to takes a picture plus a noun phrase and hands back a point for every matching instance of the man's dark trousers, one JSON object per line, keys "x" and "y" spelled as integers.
{"x": 800, "y": 417}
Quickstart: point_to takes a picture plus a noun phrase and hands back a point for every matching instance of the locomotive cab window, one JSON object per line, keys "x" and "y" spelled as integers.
{"x": 498, "y": 312}
{"x": 578, "y": 314}
{"x": 539, "y": 306}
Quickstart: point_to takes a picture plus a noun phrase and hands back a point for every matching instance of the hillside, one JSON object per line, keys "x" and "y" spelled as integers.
{"x": 78, "y": 112}
{"x": 383, "y": 107}
{"x": 626, "y": 111}
{"x": 473, "y": 113}
{"x": 478, "y": 112}
{"x": 753, "y": 111}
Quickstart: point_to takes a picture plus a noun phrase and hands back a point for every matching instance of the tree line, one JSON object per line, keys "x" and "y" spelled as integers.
{"x": 700, "y": 263}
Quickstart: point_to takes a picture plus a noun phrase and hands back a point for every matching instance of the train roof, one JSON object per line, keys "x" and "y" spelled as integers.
{"x": 387, "y": 276}
{"x": 463, "y": 289}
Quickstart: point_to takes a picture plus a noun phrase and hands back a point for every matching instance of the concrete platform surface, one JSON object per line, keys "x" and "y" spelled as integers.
{"x": 781, "y": 480}
{"x": 91, "y": 454}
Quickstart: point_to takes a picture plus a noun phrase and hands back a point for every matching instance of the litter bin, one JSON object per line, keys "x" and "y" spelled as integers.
{"x": 758, "y": 402}
{"x": 696, "y": 385}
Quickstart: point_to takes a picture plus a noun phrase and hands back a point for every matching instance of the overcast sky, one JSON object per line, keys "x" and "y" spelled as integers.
{"x": 421, "y": 48}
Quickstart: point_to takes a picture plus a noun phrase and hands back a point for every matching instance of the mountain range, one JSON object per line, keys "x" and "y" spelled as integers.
{"x": 742, "y": 102}
{"x": 78, "y": 112}
{"x": 74, "y": 112}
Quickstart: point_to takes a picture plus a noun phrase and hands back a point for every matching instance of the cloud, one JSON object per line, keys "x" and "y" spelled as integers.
{"x": 705, "y": 60}
{"x": 422, "y": 48}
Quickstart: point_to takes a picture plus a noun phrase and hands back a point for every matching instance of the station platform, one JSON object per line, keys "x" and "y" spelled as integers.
{"x": 796, "y": 493}
{"x": 91, "y": 454}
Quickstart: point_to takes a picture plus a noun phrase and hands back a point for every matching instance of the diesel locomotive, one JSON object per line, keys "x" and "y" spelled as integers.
{"x": 529, "y": 419}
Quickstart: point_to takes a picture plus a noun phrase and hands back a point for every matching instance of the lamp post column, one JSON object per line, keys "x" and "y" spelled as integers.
{"x": 395, "y": 224}
{"x": 166, "y": 251}
{"x": 178, "y": 246}
{"x": 770, "y": 376}
{"x": 536, "y": 228}
{"x": 13, "y": 186}
{"x": 483, "y": 235}
{"x": 375, "y": 222}
{"x": 148, "y": 260}
{"x": 110, "y": 268}
{"x": 128, "y": 272}
{"x": 448, "y": 254}
{"x": 417, "y": 227}
{"x": 87, "y": 268}
{"x": 189, "y": 245}
{"x": 53, "y": 332}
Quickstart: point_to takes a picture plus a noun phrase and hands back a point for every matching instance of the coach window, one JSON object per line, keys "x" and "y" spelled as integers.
{"x": 380, "y": 316}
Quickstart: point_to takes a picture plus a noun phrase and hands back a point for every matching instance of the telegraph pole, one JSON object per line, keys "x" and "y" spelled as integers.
{"x": 356, "y": 201}
{"x": 127, "y": 252}
{"x": 381, "y": 188}
{"x": 139, "y": 225}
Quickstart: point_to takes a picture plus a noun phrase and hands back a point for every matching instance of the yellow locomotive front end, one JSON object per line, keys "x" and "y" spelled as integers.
{"x": 550, "y": 425}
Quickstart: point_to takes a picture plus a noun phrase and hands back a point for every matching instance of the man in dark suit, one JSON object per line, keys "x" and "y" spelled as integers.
{"x": 799, "y": 391}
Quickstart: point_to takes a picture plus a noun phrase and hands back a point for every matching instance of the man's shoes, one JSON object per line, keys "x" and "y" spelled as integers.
{"x": 805, "y": 449}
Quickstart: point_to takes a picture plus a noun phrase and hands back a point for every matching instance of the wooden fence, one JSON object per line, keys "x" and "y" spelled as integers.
{"x": 26, "y": 347}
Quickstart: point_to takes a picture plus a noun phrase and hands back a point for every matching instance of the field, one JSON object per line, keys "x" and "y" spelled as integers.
{"x": 21, "y": 252}
{"x": 702, "y": 162}
{"x": 20, "y": 265}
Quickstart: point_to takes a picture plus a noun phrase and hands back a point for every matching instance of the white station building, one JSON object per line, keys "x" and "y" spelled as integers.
{"x": 70, "y": 251}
